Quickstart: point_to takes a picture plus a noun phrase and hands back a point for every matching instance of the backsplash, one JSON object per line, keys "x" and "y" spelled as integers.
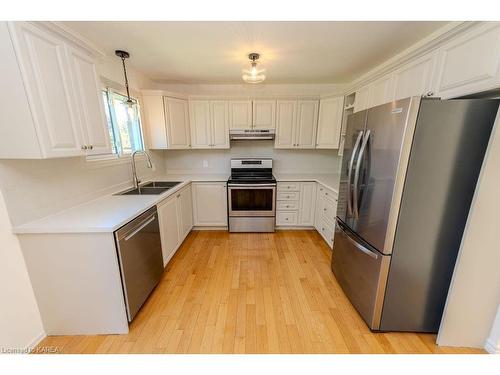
{"x": 36, "y": 188}
{"x": 285, "y": 161}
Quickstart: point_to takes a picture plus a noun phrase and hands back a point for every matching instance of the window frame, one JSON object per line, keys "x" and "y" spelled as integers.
{"x": 117, "y": 158}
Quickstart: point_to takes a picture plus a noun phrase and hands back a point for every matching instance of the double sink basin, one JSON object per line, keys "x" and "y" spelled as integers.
{"x": 151, "y": 188}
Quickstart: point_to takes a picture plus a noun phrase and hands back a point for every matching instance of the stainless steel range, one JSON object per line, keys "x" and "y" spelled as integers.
{"x": 251, "y": 195}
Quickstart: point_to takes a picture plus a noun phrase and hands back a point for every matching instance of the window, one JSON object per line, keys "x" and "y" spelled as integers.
{"x": 124, "y": 124}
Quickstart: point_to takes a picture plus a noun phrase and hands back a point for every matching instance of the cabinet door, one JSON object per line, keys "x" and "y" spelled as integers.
{"x": 382, "y": 90}
{"x": 286, "y": 114}
{"x": 414, "y": 78}
{"x": 46, "y": 74}
{"x": 240, "y": 114}
{"x": 329, "y": 122}
{"x": 210, "y": 203}
{"x": 169, "y": 227}
{"x": 155, "y": 119}
{"x": 307, "y": 123}
{"x": 219, "y": 111}
{"x": 199, "y": 123}
{"x": 264, "y": 112}
{"x": 471, "y": 62}
{"x": 185, "y": 212}
{"x": 363, "y": 98}
{"x": 307, "y": 203}
{"x": 177, "y": 120}
{"x": 90, "y": 103}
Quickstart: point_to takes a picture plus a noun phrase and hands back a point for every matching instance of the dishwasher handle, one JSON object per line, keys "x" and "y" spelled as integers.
{"x": 141, "y": 226}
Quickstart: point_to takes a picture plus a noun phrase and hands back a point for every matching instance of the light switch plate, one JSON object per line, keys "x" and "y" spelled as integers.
{"x": 205, "y": 163}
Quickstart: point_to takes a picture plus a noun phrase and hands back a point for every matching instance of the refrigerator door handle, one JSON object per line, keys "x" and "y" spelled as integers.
{"x": 356, "y": 244}
{"x": 356, "y": 175}
{"x": 351, "y": 163}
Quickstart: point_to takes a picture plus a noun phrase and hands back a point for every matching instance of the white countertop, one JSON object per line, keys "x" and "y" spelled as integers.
{"x": 108, "y": 213}
{"x": 330, "y": 181}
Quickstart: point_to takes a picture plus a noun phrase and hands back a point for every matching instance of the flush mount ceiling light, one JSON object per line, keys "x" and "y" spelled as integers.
{"x": 253, "y": 75}
{"x": 125, "y": 55}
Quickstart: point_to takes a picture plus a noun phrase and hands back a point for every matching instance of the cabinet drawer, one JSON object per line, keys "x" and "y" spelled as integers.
{"x": 287, "y": 205}
{"x": 286, "y": 217}
{"x": 288, "y": 196}
{"x": 329, "y": 209}
{"x": 288, "y": 186}
{"x": 326, "y": 230}
{"x": 327, "y": 193}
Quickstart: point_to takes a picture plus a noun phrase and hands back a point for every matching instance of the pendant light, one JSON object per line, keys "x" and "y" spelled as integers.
{"x": 254, "y": 74}
{"x": 125, "y": 55}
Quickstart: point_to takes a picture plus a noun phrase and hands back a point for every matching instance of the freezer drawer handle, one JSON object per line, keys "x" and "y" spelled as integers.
{"x": 356, "y": 244}
{"x": 141, "y": 227}
{"x": 349, "y": 178}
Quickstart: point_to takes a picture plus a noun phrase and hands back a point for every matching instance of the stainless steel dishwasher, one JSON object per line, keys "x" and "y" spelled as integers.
{"x": 140, "y": 257}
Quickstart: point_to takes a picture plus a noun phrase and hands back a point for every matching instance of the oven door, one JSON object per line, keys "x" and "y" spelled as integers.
{"x": 251, "y": 199}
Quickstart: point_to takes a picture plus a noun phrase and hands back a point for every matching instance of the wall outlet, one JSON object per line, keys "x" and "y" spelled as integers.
{"x": 205, "y": 163}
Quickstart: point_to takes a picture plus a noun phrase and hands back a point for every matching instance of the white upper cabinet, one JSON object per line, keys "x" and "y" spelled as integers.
{"x": 329, "y": 122}
{"x": 363, "y": 98}
{"x": 219, "y": 115}
{"x": 264, "y": 114}
{"x": 44, "y": 63}
{"x": 90, "y": 103}
{"x": 155, "y": 120}
{"x": 209, "y": 123}
{"x": 307, "y": 123}
{"x": 62, "y": 91}
{"x": 415, "y": 77}
{"x": 286, "y": 114}
{"x": 470, "y": 63}
{"x": 382, "y": 91}
{"x": 240, "y": 114}
{"x": 177, "y": 123}
{"x": 296, "y": 123}
{"x": 199, "y": 118}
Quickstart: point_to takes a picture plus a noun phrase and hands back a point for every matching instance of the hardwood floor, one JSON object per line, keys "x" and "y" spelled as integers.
{"x": 250, "y": 293}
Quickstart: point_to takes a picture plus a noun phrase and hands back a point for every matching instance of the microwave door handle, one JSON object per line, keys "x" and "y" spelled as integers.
{"x": 356, "y": 175}
{"x": 356, "y": 244}
{"x": 349, "y": 175}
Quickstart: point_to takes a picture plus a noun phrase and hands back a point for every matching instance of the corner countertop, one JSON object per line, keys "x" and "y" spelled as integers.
{"x": 108, "y": 213}
{"x": 329, "y": 180}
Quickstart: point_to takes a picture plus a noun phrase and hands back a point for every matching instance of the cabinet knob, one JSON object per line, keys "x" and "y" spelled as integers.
{"x": 84, "y": 147}
{"x": 286, "y": 218}
{"x": 91, "y": 147}
{"x": 324, "y": 209}
{"x": 178, "y": 195}
{"x": 430, "y": 93}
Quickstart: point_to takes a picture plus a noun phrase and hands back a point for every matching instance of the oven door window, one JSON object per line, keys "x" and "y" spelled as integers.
{"x": 252, "y": 200}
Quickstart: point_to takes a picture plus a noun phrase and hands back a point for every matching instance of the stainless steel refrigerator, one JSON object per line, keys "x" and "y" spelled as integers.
{"x": 408, "y": 176}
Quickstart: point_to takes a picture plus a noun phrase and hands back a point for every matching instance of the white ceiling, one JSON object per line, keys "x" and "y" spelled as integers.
{"x": 291, "y": 52}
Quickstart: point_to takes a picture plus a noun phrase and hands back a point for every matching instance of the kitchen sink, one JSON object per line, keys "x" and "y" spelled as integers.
{"x": 158, "y": 184}
{"x": 151, "y": 188}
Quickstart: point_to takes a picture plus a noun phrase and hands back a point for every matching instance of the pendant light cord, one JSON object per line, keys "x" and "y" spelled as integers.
{"x": 126, "y": 79}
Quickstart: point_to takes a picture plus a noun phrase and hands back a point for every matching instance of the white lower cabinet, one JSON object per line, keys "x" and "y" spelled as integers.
{"x": 176, "y": 221}
{"x": 307, "y": 203}
{"x": 209, "y": 204}
{"x": 295, "y": 204}
{"x": 326, "y": 209}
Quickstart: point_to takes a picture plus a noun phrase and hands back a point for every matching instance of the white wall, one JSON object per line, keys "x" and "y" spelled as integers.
{"x": 20, "y": 323}
{"x": 493, "y": 341}
{"x": 474, "y": 294}
{"x": 285, "y": 161}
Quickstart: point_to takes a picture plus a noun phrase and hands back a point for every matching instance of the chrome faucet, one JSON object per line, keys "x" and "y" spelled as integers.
{"x": 134, "y": 171}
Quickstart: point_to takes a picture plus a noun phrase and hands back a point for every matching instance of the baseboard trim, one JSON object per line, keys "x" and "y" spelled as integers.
{"x": 209, "y": 228}
{"x": 35, "y": 341}
{"x": 294, "y": 228}
{"x": 491, "y": 348}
